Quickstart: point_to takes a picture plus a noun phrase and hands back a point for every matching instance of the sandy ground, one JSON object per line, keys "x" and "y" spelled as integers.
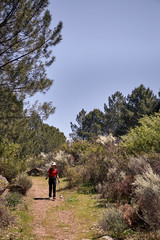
{"x": 50, "y": 221}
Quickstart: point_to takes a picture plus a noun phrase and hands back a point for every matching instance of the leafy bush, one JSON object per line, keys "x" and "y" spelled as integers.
{"x": 96, "y": 158}
{"x": 87, "y": 188}
{"x": 84, "y": 150}
{"x": 74, "y": 176}
{"x": 62, "y": 159}
{"x": 24, "y": 181}
{"x": 147, "y": 190}
{"x": 112, "y": 220}
{"x": 10, "y": 161}
{"x": 34, "y": 162}
{"x": 144, "y": 138}
{"x": 13, "y": 199}
{"x": 92, "y": 172}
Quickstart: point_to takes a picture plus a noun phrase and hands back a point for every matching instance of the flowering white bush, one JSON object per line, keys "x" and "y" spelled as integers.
{"x": 114, "y": 174}
{"x": 112, "y": 220}
{"x": 137, "y": 165}
{"x": 147, "y": 190}
{"x": 106, "y": 139}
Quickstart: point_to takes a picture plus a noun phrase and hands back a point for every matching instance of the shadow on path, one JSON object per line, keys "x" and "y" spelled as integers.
{"x": 41, "y": 198}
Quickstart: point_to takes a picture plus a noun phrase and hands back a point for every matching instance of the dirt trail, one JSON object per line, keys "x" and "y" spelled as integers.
{"x": 50, "y": 221}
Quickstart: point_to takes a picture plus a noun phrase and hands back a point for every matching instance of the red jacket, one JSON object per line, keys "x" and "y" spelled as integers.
{"x": 53, "y": 172}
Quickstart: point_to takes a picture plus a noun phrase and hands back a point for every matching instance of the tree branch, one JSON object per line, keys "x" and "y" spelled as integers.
{"x": 2, "y": 24}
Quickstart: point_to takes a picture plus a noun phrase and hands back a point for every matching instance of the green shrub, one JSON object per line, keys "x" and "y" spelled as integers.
{"x": 92, "y": 163}
{"x": 10, "y": 161}
{"x": 13, "y": 199}
{"x": 144, "y": 138}
{"x": 112, "y": 221}
{"x": 33, "y": 162}
{"x": 62, "y": 160}
{"x": 24, "y": 181}
{"x": 79, "y": 150}
{"x": 74, "y": 176}
{"x": 87, "y": 188}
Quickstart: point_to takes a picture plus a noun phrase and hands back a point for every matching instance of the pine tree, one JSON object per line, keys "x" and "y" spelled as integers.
{"x": 26, "y": 43}
{"x": 114, "y": 114}
{"x": 140, "y": 102}
{"x": 89, "y": 125}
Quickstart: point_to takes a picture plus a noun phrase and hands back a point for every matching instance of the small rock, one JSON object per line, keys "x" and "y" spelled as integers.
{"x": 106, "y": 238}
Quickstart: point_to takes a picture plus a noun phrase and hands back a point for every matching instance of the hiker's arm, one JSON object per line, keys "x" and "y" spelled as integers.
{"x": 47, "y": 175}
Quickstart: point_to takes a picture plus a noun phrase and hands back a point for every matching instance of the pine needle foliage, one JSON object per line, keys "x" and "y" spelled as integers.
{"x": 26, "y": 44}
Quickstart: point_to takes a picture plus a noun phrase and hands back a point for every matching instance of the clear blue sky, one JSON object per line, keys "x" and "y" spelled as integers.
{"x": 107, "y": 46}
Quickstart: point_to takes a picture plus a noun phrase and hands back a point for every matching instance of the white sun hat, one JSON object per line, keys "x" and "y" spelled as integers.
{"x": 53, "y": 164}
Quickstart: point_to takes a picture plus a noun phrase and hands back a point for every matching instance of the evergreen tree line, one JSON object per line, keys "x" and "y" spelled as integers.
{"x": 119, "y": 116}
{"x": 26, "y": 128}
{"x": 26, "y": 50}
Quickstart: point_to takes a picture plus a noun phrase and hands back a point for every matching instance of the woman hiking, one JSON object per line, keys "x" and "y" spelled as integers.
{"x": 53, "y": 176}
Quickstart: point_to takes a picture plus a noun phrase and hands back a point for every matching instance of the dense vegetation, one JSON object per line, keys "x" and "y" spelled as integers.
{"x": 26, "y": 44}
{"x": 115, "y": 153}
{"x": 125, "y": 172}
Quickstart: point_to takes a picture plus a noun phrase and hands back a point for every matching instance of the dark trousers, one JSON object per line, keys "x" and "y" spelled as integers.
{"x": 52, "y": 186}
